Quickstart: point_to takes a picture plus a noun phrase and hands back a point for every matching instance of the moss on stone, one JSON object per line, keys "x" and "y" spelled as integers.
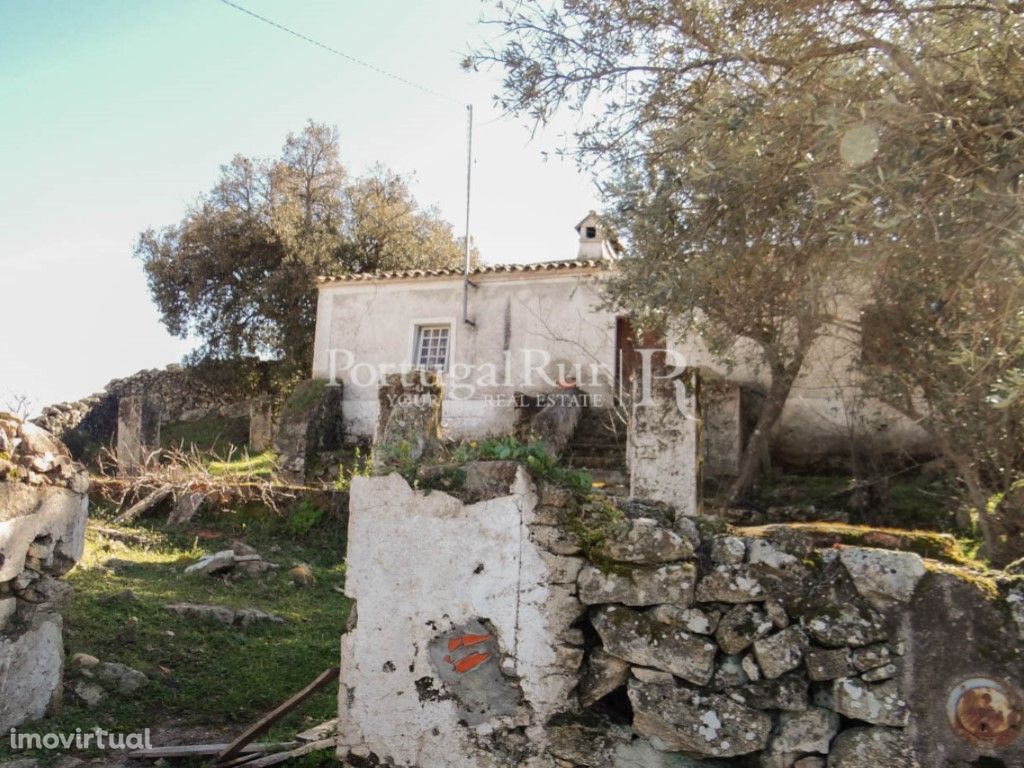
{"x": 305, "y": 394}
{"x": 595, "y": 521}
{"x": 979, "y": 577}
{"x": 928, "y": 544}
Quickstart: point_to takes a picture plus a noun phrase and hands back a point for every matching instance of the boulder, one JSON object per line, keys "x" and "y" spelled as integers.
{"x": 731, "y": 584}
{"x": 877, "y": 675}
{"x": 846, "y": 624}
{"x": 751, "y": 668}
{"x": 729, "y": 674}
{"x": 241, "y": 617}
{"x": 728, "y": 550}
{"x": 31, "y": 667}
{"x": 789, "y": 693}
{"x": 883, "y": 576}
{"x": 871, "y": 657}
{"x": 697, "y": 723}
{"x": 89, "y": 693}
{"x": 640, "y": 585}
{"x": 879, "y": 704}
{"x": 781, "y": 652}
{"x": 214, "y": 563}
{"x": 740, "y": 627}
{"x": 828, "y": 663}
{"x": 655, "y": 676}
{"x": 808, "y": 731}
{"x": 602, "y": 675}
{"x": 119, "y": 677}
{"x": 647, "y": 542}
{"x": 701, "y": 622}
{"x": 641, "y": 640}
{"x": 872, "y": 748}
{"x": 762, "y": 552}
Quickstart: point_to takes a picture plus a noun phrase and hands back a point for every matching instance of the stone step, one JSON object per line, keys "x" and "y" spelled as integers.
{"x": 597, "y": 442}
{"x": 596, "y": 450}
{"x": 596, "y": 462}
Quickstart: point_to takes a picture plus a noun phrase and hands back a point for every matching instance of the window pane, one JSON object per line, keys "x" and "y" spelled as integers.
{"x": 432, "y": 346}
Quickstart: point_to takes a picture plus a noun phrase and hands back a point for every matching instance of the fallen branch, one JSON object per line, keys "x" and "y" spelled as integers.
{"x": 280, "y": 757}
{"x": 265, "y": 722}
{"x": 201, "y": 750}
{"x": 138, "y": 509}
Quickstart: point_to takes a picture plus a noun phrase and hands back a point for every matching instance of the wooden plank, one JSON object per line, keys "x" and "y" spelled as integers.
{"x": 319, "y": 732}
{"x": 243, "y": 759}
{"x": 280, "y": 757}
{"x": 201, "y": 750}
{"x": 265, "y": 722}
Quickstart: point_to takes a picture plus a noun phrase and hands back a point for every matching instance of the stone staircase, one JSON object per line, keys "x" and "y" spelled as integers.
{"x": 599, "y": 447}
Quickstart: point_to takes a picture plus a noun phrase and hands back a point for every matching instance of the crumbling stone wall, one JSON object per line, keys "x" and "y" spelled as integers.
{"x": 179, "y": 394}
{"x": 43, "y": 509}
{"x": 529, "y": 627}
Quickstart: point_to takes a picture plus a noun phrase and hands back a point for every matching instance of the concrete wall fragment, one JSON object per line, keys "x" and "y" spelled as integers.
{"x": 462, "y": 618}
{"x": 663, "y": 450}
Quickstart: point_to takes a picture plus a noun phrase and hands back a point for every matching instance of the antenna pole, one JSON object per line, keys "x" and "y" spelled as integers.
{"x": 469, "y": 172}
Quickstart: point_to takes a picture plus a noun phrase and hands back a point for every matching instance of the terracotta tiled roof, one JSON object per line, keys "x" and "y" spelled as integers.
{"x": 483, "y": 269}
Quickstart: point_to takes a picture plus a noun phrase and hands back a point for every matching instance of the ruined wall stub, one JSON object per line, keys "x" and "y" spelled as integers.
{"x": 461, "y": 630}
{"x": 261, "y": 425}
{"x": 308, "y": 426}
{"x": 138, "y": 431}
{"x": 723, "y": 427}
{"x": 663, "y": 450}
{"x": 408, "y": 417}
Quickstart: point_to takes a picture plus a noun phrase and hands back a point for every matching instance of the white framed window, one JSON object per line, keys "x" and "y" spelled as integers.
{"x": 433, "y": 343}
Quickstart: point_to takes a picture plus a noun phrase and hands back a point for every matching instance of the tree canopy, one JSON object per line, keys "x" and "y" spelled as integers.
{"x": 768, "y": 159}
{"x": 239, "y": 269}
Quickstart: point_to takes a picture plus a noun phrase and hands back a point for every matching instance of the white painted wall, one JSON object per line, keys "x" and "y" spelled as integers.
{"x": 421, "y": 564}
{"x": 513, "y": 313}
{"x": 560, "y": 312}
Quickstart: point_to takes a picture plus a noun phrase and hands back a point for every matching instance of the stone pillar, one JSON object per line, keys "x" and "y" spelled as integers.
{"x": 408, "y": 419}
{"x": 138, "y": 431}
{"x": 261, "y": 425}
{"x": 723, "y": 427}
{"x": 663, "y": 450}
{"x": 309, "y": 425}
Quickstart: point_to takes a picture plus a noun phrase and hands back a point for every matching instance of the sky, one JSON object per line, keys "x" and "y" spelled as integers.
{"x": 115, "y": 115}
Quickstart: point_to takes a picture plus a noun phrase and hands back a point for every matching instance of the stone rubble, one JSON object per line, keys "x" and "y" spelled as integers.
{"x": 234, "y": 617}
{"x": 43, "y": 512}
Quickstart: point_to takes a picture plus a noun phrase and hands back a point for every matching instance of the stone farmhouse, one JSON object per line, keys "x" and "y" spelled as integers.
{"x": 530, "y": 327}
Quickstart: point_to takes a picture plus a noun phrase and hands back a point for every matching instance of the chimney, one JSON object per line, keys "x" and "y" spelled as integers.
{"x": 596, "y": 242}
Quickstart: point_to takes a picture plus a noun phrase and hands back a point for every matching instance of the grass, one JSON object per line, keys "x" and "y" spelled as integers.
{"x": 206, "y": 674}
{"x": 214, "y": 434}
{"x": 256, "y": 465}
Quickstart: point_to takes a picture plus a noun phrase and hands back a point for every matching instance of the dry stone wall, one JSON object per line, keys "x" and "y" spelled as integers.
{"x": 43, "y": 509}
{"x": 521, "y": 626}
{"x": 178, "y": 394}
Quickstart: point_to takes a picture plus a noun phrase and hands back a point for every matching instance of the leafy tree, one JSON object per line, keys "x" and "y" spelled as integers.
{"x": 775, "y": 160}
{"x": 239, "y": 269}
